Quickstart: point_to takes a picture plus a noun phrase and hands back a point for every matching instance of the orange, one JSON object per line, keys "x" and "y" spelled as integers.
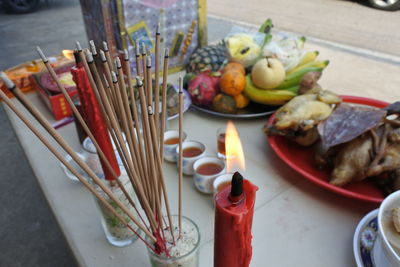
{"x": 232, "y": 82}
{"x": 234, "y": 66}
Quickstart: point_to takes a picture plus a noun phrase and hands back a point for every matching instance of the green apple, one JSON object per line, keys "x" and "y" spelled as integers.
{"x": 268, "y": 73}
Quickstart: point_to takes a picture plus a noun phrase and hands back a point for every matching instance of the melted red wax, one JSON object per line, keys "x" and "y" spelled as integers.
{"x": 232, "y": 231}
{"x": 94, "y": 119}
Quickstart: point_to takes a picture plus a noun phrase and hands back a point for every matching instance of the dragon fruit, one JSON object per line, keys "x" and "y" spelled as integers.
{"x": 203, "y": 88}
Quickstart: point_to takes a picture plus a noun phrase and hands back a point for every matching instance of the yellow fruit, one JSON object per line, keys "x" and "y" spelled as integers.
{"x": 241, "y": 101}
{"x": 314, "y": 63}
{"x": 268, "y": 73}
{"x": 267, "y": 97}
{"x": 308, "y": 57}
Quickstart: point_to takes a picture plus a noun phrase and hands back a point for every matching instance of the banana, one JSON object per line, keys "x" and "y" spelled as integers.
{"x": 308, "y": 57}
{"x": 294, "y": 78}
{"x": 314, "y": 63}
{"x": 268, "y": 97}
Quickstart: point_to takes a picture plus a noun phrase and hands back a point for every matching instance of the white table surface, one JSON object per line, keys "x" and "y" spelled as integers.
{"x": 296, "y": 223}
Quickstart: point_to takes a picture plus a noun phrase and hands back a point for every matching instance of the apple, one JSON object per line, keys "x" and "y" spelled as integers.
{"x": 268, "y": 73}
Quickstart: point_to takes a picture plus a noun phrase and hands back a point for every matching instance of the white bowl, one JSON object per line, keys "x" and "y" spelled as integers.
{"x": 204, "y": 183}
{"x": 187, "y": 162}
{"x": 389, "y": 238}
{"x": 170, "y": 150}
{"x": 223, "y": 178}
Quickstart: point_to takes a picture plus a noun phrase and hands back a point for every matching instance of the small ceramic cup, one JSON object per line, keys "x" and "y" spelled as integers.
{"x": 389, "y": 238}
{"x": 204, "y": 178}
{"x": 170, "y": 149}
{"x": 221, "y": 182}
{"x": 188, "y": 161}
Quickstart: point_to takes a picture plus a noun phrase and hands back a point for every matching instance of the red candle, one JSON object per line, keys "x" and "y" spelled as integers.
{"x": 234, "y": 208}
{"x": 94, "y": 119}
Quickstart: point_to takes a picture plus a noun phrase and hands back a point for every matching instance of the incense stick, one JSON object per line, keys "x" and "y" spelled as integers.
{"x": 93, "y": 48}
{"x": 149, "y": 82}
{"x": 157, "y": 79}
{"x": 108, "y": 57}
{"x": 144, "y": 61}
{"x": 180, "y": 153}
{"x": 137, "y": 55}
{"x": 164, "y": 101}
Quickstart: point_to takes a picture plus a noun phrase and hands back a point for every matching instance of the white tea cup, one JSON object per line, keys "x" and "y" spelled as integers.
{"x": 221, "y": 182}
{"x": 170, "y": 149}
{"x": 188, "y": 160}
{"x": 203, "y": 179}
{"x": 389, "y": 238}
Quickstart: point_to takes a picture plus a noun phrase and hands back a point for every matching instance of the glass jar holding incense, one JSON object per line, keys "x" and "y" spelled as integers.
{"x": 185, "y": 252}
{"x": 116, "y": 232}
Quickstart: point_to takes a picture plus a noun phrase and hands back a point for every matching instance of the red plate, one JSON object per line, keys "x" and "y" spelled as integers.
{"x": 301, "y": 160}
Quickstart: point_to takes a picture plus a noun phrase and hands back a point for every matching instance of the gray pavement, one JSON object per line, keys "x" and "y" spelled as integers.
{"x": 346, "y": 22}
{"x": 29, "y": 233}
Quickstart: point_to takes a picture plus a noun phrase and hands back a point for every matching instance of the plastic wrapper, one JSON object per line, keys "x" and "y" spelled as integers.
{"x": 288, "y": 49}
{"x": 244, "y": 45}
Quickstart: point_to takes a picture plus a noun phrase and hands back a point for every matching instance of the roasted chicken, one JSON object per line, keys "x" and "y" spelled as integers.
{"x": 297, "y": 118}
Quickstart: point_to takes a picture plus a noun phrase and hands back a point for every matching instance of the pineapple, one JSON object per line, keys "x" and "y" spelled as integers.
{"x": 210, "y": 57}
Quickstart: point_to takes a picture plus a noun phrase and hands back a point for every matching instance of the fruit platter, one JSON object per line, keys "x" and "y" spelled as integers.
{"x": 251, "y": 74}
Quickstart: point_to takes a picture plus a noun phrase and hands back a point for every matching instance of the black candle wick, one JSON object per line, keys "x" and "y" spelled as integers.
{"x": 77, "y": 57}
{"x": 237, "y": 185}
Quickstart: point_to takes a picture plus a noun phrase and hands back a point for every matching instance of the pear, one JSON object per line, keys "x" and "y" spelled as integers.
{"x": 268, "y": 73}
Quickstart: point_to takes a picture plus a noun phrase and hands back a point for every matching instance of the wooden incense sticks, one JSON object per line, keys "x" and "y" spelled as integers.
{"x": 108, "y": 56}
{"x": 161, "y": 174}
{"x": 164, "y": 101}
{"x": 147, "y": 139}
{"x": 144, "y": 61}
{"x": 180, "y": 153}
{"x": 93, "y": 48}
{"x": 138, "y": 136}
{"x": 79, "y": 161}
{"x": 157, "y": 78}
{"x": 131, "y": 131}
{"x": 137, "y": 56}
{"x": 74, "y": 110}
{"x": 149, "y": 82}
{"x": 124, "y": 154}
{"x": 111, "y": 92}
{"x": 134, "y": 112}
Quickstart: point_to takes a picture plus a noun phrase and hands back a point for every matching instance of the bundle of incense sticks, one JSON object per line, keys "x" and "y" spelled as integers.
{"x": 138, "y": 136}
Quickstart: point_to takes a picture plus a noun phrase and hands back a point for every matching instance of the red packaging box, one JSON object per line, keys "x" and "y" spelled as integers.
{"x": 51, "y": 96}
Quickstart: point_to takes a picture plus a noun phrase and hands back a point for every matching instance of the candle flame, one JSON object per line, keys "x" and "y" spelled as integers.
{"x": 69, "y": 54}
{"x": 233, "y": 149}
